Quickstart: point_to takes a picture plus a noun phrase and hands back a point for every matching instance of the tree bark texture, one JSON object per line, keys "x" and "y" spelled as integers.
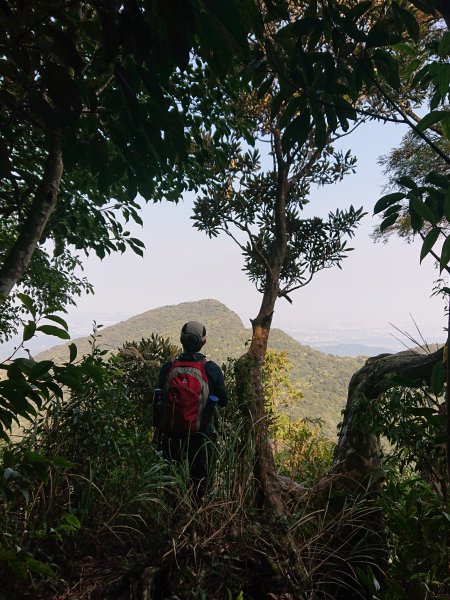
{"x": 43, "y": 205}
{"x": 251, "y": 395}
{"x": 358, "y": 452}
{"x": 265, "y": 469}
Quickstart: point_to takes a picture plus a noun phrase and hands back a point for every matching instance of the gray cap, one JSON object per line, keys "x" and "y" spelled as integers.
{"x": 195, "y": 328}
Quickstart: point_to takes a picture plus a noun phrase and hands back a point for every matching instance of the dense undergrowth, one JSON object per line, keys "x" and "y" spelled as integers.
{"x": 90, "y": 510}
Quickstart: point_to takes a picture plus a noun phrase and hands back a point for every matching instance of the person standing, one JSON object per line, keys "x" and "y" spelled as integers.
{"x": 191, "y": 386}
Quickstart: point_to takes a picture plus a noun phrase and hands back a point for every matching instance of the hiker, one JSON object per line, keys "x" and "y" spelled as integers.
{"x": 189, "y": 388}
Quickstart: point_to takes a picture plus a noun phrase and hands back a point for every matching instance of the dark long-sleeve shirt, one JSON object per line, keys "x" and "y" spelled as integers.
{"x": 213, "y": 373}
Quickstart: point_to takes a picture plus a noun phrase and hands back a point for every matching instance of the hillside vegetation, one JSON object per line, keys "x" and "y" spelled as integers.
{"x": 322, "y": 378}
{"x": 91, "y": 510}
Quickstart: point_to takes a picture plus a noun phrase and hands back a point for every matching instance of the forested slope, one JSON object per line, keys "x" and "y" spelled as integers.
{"x": 323, "y": 378}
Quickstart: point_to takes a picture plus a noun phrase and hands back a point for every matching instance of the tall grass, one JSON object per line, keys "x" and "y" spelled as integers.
{"x": 113, "y": 516}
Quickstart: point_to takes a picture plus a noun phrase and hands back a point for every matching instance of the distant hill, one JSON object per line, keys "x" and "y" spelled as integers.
{"x": 322, "y": 378}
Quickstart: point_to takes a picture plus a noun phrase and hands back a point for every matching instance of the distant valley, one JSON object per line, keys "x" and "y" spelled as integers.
{"x": 354, "y": 350}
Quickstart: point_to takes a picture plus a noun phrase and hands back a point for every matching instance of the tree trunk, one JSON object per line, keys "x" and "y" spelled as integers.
{"x": 265, "y": 469}
{"x": 249, "y": 374}
{"x": 44, "y": 203}
{"x": 358, "y": 452}
{"x": 251, "y": 395}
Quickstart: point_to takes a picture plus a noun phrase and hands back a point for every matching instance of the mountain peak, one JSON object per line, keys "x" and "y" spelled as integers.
{"x": 322, "y": 378}
{"x": 206, "y": 311}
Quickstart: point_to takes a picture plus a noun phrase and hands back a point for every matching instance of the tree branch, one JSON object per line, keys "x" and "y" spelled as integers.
{"x": 358, "y": 450}
{"x": 289, "y": 290}
{"x": 436, "y": 128}
{"x": 280, "y": 205}
{"x": 407, "y": 121}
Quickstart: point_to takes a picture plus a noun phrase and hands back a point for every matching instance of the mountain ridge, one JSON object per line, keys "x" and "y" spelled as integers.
{"x": 322, "y": 378}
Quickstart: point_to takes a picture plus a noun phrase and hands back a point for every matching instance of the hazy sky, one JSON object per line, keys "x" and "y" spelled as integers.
{"x": 378, "y": 284}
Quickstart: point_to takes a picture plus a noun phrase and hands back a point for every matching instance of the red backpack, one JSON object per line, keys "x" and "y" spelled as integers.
{"x": 185, "y": 395}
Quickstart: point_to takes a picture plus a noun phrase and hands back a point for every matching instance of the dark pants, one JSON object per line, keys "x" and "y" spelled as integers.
{"x": 195, "y": 449}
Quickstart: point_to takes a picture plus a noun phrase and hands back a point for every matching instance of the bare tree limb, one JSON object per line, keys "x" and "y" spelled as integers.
{"x": 358, "y": 450}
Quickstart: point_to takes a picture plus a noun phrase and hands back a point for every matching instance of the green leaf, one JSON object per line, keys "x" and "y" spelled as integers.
{"x": 28, "y": 303}
{"x": 29, "y": 331}
{"x": 71, "y": 381}
{"x": 331, "y": 118}
{"x": 411, "y": 68}
{"x": 422, "y": 77}
{"x": 137, "y": 242}
{"x": 303, "y": 26}
{"x": 297, "y": 131}
{"x": 382, "y": 34}
{"x": 293, "y": 108}
{"x": 416, "y": 221}
{"x": 408, "y": 182}
{"x": 71, "y": 521}
{"x": 437, "y": 379}
{"x": 429, "y": 241}
{"x": 438, "y": 180}
{"x": 395, "y": 208}
{"x": 422, "y": 209}
{"x": 265, "y": 87}
{"x": 14, "y": 371}
{"x": 386, "y": 201}
{"x": 136, "y": 249}
{"x": 445, "y": 254}
{"x": 54, "y": 388}
{"x": 421, "y": 411}
{"x": 388, "y": 221}
{"x": 431, "y": 118}
{"x": 56, "y": 331}
{"x": 39, "y": 567}
{"x": 96, "y": 372}
{"x": 35, "y": 458}
{"x": 344, "y": 110}
{"x": 57, "y": 319}
{"x": 410, "y": 22}
{"x": 61, "y": 463}
{"x": 40, "y": 368}
{"x": 445, "y": 124}
{"x": 320, "y": 135}
{"x": 276, "y": 9}
{"x": 387, "y": 66}
{"x": 73, "y": 352}
{"x": 444, "y": 45}
{"x": 405, "y": 48}
{"x": 359, "y": 10}
{"x": 424, "y": 6}
{"x": 443, "y": 77}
